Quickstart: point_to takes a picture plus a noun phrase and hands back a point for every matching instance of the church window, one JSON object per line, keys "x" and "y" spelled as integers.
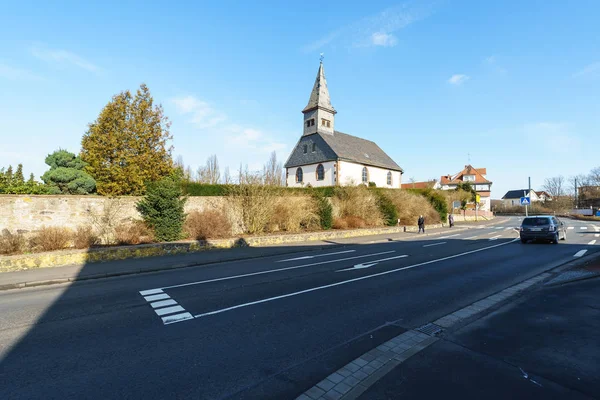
{"x": 312, "y": 122}
{"x": 320, "y": 172}
{"x": 389, "y": 178}
{"x": 328, "y": 124}
{"x": 325, "y": 122}
{"x": 314, "y": 147}
{"x": 365, "y": 175}
{"x": 307, "y": 123}
{"x": 299, "y": 175}
{"x": 305, "y": 148}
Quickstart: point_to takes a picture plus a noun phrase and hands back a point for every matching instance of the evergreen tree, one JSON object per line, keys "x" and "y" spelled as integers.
{"x": 126, "y": 147}
{"x": 19, "y": 179}
{"x": 66, "y": 174}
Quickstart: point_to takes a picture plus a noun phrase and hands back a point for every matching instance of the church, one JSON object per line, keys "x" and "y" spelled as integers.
{"x": 326, "y": 157}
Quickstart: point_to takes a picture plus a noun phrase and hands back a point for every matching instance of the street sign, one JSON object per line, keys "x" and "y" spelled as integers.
{"x": 477, "y": 198}
{"x": 525, "y": 201}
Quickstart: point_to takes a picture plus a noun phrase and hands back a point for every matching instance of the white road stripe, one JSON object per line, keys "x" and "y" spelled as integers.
{"x": 597, "y": 235}
{"x": 151, "y": 291}
{"x": 349, "y": 281}
{"x": 157, "y": 297}
{"x": 449, "y": 236}
{"x": 163, "y": 303}
{"x": 316, "y": 255}
{"x": 580, "y": 253}
{"x": 495, "y": 237}
{"x": 583, "y": 228}
{"x": 509, "y": 228}
{"x": 571, "y": 227}
{"x": 275, "y": 270}
{"x": 177, "y": 318}
{"x": 169, "y": 310}
{"x": 500, "y": 227}
{"x": 593, "y": 242}
{"x": 434, "y": 244}
{"x": 472, "y": 237}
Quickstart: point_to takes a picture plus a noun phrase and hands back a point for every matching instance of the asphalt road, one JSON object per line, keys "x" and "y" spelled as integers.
{"x": 261, "y": 328}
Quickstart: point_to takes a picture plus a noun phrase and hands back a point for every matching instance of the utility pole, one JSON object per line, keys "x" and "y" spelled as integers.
{"x": 529, "y": 193}
{"x": 576, "y": 194}
{"x": 525, "y": 195}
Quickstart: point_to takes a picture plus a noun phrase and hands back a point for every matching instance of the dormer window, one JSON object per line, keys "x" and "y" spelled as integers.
{"x": 312, "y": 122}
{"x": 305, "y": 148}
{"x": 469, "y": 178}
{"x": 314, "y": 147}
{"x": 308, "y": 123}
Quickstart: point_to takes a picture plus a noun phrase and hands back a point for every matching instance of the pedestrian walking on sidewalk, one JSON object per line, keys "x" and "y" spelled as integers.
{"x": 421, "y": 223}
{"x": 451, "y": 220}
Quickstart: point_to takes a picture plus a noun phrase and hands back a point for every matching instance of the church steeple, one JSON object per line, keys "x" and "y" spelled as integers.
{"x": 319, "y": 113}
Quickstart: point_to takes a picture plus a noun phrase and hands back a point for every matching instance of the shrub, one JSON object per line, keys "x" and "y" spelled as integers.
{"x": 325, "y": 213}
{"x": 254, "y": 204}
{"x": 51, "y": 238}
{"x": 436, "y": 199}
{"x": 355, "y": 222}
{"x": 162, "y": 208}
{"x": 358, "y": 201}
{"x": 135, "y": 232}
{"x": 410, "y": 205}
{"x": 207, "y": 225}
{"x": 200, "y": 189}
{"x": 372, "y": 184}
{"x": 294, "y": 213}
{"x": 387, "y": 208}
{"x": 340, "y": 223}
{"x": 11, "y": 243}
{"x": 85, "y": 238}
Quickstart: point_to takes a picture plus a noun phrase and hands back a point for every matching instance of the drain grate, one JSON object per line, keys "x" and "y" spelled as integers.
{"x": 430, "y": 329}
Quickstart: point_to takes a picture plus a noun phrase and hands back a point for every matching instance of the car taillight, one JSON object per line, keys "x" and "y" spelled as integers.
{"x": 552, "y": 228}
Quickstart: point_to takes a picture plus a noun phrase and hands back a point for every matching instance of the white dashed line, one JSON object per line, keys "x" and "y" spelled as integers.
{"x": 316, "y": 255}
{"x": 495, "y": 237}
{"x": 434, "y": 244}
{"x": 177, "y": 318}
{"x": 597, "y": 235}
{"x": 169, "y": 310}
{"x": 583, "y": 228}
{"x": 151, "y": 291}
{"x": 593, "y": 242}
{"x": 500, "y": 227}
{"x": 580, "y": 253}
{"x": 472, "y": 237}
{"x": 571, "y": 227}
{"x": 449, "y": 236}
{"x": 156, "y": 297}
{"x": 163, "y": 303}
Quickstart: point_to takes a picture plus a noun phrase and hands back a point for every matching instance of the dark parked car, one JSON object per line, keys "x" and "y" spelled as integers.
{"x": 543, "y": 228}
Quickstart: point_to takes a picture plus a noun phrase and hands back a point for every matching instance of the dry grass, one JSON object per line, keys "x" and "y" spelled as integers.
{"x": 358, "y": 201}
{"x": 209, "y": 224}
{"x": 135, "y": 232}
{"x": 340, "y": 223}
{"x": 294, "y": 214}
{"x": 11, "y": 243}
{"x": 411, "y": 205}
{"x": 84, "y": 238}
{"x": 51, "y": 238}
{"x": 254, "y": 203}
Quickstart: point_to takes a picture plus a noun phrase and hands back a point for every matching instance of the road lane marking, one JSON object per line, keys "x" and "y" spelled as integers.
{"x": 269, "y": 299}
{"x": 163, "y": 303}
{"x": 495, "y": 237}
{"x": 597, "y": 235}
{"x": 580, "y": 253}
{"x": 177, "y": 318}
{"x": 472, "y": 237}
{"x": 275, "y": 270}
{"x": 157, "y": 297}
{"x": 583, "y": 228}
{"x": 434, "y": 244}
{"x": 316, "y": 255}
{"x": 371, "y": 263}
{"x": 169, "y": 310}
{"x": 449, "y": 236}
{"x": 593, "y": 242}
{"x": 151, "y": 291}
{"x": 571, "y": 227}
{"x": 500, "y": 227}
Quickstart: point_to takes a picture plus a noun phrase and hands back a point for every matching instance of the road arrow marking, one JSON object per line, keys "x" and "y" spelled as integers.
{"x": 593, "y": 242}
{"x": 316, "y": 255}
{"x": 580, "y": 253}
{"x": 370, "y": 264}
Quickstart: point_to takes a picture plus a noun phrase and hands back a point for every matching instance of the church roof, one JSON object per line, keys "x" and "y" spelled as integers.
{"x": 319, "y": 97}
{"x": 339, "y": 146}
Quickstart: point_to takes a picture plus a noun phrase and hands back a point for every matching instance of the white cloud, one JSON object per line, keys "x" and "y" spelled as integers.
{"x": 14, "y": 74}
{"x": 375, "y": 30}
{"x": 202, "y": 114}
{"x": 589, "y": 70}
{"x": 458, "y": 79}
{"x": 384, "y": 39}
{"x": 63, "y": 57}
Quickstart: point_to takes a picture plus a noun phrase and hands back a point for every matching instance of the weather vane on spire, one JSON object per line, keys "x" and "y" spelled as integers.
{"x": 322, "y": 57}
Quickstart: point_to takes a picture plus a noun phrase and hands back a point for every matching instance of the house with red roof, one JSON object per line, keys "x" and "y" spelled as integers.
{"x": 477, "y": 177}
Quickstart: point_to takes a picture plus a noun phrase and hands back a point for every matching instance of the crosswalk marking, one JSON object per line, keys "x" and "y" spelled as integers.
{"x": 580, "y": 253}
{"x": 164, "y": 306}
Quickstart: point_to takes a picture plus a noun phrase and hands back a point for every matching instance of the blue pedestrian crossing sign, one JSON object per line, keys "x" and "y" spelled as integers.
{"x": 525, "y": 201}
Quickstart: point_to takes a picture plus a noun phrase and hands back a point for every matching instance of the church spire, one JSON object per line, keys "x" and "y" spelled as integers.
{"x": 319, "y": 113}
{"x": 319, "y": 97}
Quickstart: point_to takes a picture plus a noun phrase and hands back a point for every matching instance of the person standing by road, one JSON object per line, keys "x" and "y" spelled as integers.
{"x": 451, "y": 220}
{"x": 421, "y": 223}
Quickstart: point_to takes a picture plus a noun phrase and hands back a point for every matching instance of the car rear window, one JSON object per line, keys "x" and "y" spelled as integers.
{"x": 536, "y": 221}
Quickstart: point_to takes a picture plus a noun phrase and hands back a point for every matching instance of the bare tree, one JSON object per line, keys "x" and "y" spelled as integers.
{"x": 227, "y": 180}
{"x": 555, "y": 186}
{"x": 210, "y": 173}
{"x": 273, "y": 171}
{"x": 594, "y": 177}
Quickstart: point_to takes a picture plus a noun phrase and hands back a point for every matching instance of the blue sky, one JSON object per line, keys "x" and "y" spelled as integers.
{"x": 515, "y": 84}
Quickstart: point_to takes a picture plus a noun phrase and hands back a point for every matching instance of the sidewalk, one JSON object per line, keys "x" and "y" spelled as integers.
{"x": 544, "y": 346}
{"x": 70, "y": 273}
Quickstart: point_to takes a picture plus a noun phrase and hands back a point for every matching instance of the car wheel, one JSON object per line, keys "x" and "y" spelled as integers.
{"x": 555, "y": 240}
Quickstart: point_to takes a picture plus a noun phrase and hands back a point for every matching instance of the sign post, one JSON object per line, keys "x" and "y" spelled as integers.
{"x": 525, "y": 201}
{"x": 477, "y": 201}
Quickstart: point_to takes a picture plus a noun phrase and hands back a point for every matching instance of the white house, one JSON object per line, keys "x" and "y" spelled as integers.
{"x": 477, "y": 177}
{"x": 326, "y": 157}
{"x": 513, "y": 197}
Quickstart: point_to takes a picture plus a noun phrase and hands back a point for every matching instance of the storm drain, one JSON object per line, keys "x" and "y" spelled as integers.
{"x": 430, "y": 329}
